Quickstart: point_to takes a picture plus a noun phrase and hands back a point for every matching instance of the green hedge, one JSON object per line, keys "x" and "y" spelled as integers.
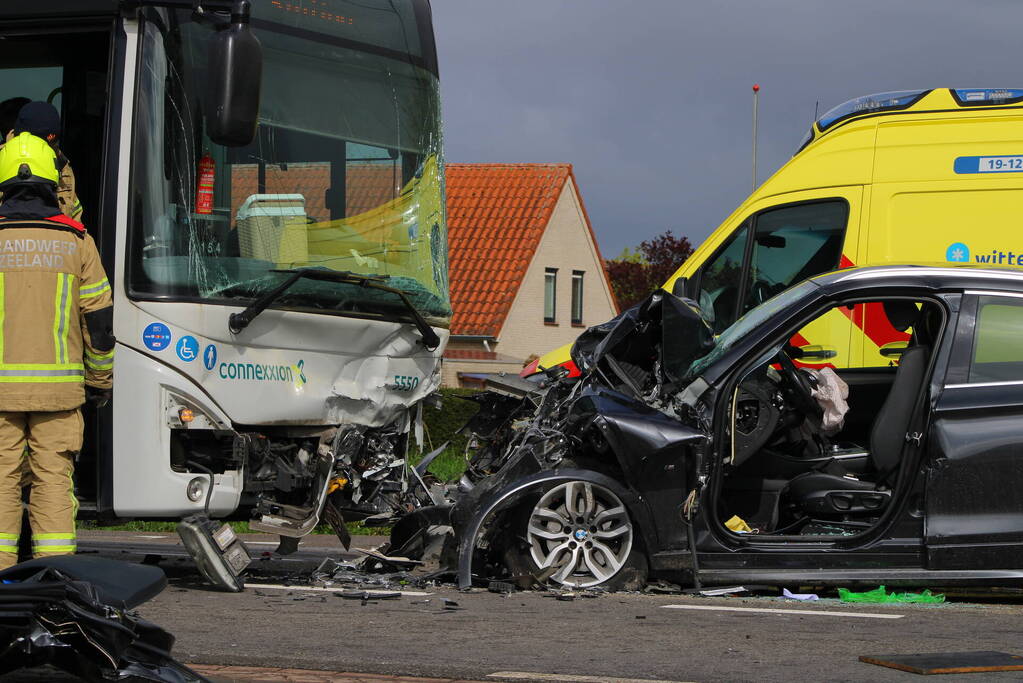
{"x": 440, "y": 425}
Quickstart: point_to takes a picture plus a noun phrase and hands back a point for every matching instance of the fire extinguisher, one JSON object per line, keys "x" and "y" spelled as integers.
{"x": 204, "y": 190}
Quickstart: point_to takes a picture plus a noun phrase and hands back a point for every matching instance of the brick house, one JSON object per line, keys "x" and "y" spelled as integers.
{"x": 526, "y": 274}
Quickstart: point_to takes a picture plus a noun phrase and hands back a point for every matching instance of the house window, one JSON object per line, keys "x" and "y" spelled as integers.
{"x": 577, "y": 297}
{"x": 550, "y": 294}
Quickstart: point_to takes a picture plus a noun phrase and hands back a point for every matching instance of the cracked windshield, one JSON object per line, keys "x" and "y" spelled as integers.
{"x": 345, "y": 172}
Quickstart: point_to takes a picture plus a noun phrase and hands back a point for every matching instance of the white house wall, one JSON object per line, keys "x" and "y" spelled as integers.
{"x": 566, "y": 245}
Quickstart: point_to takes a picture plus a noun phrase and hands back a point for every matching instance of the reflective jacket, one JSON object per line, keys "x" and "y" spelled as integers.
{"x": 66, "y": 197}
{"x": 56, "y": 315}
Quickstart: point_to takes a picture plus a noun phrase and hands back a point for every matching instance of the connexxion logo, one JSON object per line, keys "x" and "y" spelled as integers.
{"x": 264, "y": 372}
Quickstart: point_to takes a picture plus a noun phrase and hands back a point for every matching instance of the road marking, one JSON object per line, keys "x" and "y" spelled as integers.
{"x": 278, "y": 586}
{"x": 767, "y": 610}
{"x": 568, "y": 678}
{"x": 141, "y": 536}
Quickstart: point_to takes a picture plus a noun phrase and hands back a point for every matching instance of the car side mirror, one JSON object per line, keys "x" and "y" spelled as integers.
{"x": 893, "y": 349}
{"x": 678, "y": 287}
{"x": 235, "y": 68}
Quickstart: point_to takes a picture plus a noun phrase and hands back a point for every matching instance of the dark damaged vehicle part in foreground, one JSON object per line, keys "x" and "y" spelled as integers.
{"x": 74, "y": 612}
{"x": 773, "y": 465}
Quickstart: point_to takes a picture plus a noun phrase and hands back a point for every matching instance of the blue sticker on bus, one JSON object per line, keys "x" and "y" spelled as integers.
{"x": 156, "y": 336}
{"x": 1006, "y": 163}
{"x": 187, "y": 348}
{"x": 209, "y": 357}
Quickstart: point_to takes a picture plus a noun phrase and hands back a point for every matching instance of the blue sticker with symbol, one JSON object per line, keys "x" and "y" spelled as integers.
{"x": 156, "y": 336}
{"x": 209, "y": 357}
{"x": 187, "y": 348}
{"x": 957, "y": 253}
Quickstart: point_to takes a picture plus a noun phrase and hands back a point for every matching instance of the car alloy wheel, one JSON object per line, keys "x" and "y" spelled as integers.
{"x": 579, "y": 535}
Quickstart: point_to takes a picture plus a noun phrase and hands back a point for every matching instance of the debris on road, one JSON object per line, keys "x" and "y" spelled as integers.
{"x": 880, "y": 595}
{"x": 74, "y": 612}
{"x": 717, "y": 592}
{"x": 809, "y": 597}
{"x": 949, "y": 662}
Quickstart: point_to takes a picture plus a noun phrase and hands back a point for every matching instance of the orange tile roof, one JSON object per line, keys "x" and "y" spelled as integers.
{"x": 496, "y": 216}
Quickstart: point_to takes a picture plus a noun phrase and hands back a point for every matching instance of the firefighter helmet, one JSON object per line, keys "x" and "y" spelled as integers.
{"x": 27, "y": 159}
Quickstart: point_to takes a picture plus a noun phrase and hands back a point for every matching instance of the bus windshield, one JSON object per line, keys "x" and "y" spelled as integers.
{"x": 345, "y": 172}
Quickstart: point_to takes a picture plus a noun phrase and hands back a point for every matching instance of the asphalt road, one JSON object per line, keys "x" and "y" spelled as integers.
{"x": 533, "y": 635}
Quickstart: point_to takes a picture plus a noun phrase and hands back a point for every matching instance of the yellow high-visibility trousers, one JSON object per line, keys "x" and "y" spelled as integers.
{"x": 53, "y": 439}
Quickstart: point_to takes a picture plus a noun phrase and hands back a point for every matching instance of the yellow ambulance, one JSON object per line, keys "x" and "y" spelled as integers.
{"x": 920, "y": 176}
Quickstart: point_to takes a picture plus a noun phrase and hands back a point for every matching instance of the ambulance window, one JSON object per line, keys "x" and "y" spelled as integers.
{"x": 793, "y": 243}
{"x": 997, "y": 353}
{"x": 719, "y": 283}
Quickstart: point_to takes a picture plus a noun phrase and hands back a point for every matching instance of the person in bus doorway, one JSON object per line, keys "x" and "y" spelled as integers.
{"x": 56, "y": 347}
{"x": 9, "y": 110}
{"x": 42, "y": 120}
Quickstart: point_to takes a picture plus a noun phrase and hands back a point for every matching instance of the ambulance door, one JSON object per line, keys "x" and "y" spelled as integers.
{"x": 781, "y": 241}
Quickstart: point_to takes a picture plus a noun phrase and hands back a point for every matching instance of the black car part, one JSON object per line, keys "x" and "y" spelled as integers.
{"x": 73, "y": 612}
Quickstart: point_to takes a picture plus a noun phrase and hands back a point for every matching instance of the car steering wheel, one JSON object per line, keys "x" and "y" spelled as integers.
{"x": 797, "y": 389}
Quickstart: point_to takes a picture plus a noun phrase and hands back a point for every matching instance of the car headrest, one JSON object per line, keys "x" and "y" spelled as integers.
{"x": 902, "y": 313}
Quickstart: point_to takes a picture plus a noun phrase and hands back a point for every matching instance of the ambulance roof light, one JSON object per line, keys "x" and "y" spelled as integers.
{"x": 885, "y": 101}
{"x": 975, "y": 97}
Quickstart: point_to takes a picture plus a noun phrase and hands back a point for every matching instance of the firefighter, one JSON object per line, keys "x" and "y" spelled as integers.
{"x": 42, "y": 120}
{"x": 56, "y": 347}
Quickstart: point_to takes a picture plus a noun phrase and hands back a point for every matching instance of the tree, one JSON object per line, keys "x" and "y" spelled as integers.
{"x": 636, "y": 273}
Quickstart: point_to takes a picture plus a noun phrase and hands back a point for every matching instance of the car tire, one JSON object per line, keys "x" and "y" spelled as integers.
{"x": 578, "y": 535}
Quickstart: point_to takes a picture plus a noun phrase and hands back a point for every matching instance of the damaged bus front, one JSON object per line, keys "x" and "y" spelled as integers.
{"x": 280, "y": 284}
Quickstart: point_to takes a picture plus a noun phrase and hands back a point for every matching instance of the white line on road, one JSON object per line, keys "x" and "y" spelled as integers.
{"x": 278, "y": 586}
{"x": 568, "y": 678}
{"x": 141, "y": 536}
{"x": 767, "y": 610}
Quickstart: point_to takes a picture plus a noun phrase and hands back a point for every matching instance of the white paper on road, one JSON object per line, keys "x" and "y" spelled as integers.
{"x": 768, "y": 610}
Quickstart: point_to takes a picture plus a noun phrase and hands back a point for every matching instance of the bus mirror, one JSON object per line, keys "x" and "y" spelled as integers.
{"x": 678, "y": 288}
{"x": 235, "y": 68}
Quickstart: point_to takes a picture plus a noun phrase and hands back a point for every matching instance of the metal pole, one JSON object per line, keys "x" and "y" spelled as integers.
{"x": 756, "y": 101}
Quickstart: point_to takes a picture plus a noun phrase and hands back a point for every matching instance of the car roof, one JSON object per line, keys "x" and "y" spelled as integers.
{"x": 937, "y": 277}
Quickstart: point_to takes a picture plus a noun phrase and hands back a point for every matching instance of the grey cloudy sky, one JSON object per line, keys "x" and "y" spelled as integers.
{"x": 651, "y": 99}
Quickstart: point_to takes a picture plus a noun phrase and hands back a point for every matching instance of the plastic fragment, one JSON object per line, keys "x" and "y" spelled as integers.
{"x": 880, "y": 595}
{"x": 738, "y": 525}
{"x": 786, "y": 593}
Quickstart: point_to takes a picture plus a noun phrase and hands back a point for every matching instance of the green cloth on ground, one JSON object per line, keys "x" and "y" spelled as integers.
{"x": 880, "y": 595}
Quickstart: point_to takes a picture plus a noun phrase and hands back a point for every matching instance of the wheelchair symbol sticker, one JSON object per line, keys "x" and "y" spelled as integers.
{"x": 187, "y": 348}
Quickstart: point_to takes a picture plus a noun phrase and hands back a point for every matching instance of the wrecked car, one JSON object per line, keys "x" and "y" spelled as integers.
{"x": 747, "y": 457}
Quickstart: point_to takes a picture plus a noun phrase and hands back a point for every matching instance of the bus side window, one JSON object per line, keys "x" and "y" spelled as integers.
{"x": 720, "y": 281}
{"x": 794, "y": 243}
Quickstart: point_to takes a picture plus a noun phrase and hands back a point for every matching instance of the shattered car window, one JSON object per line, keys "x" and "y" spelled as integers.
{"x": 746, "y": 324}
{"x": 345, "y": 172}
